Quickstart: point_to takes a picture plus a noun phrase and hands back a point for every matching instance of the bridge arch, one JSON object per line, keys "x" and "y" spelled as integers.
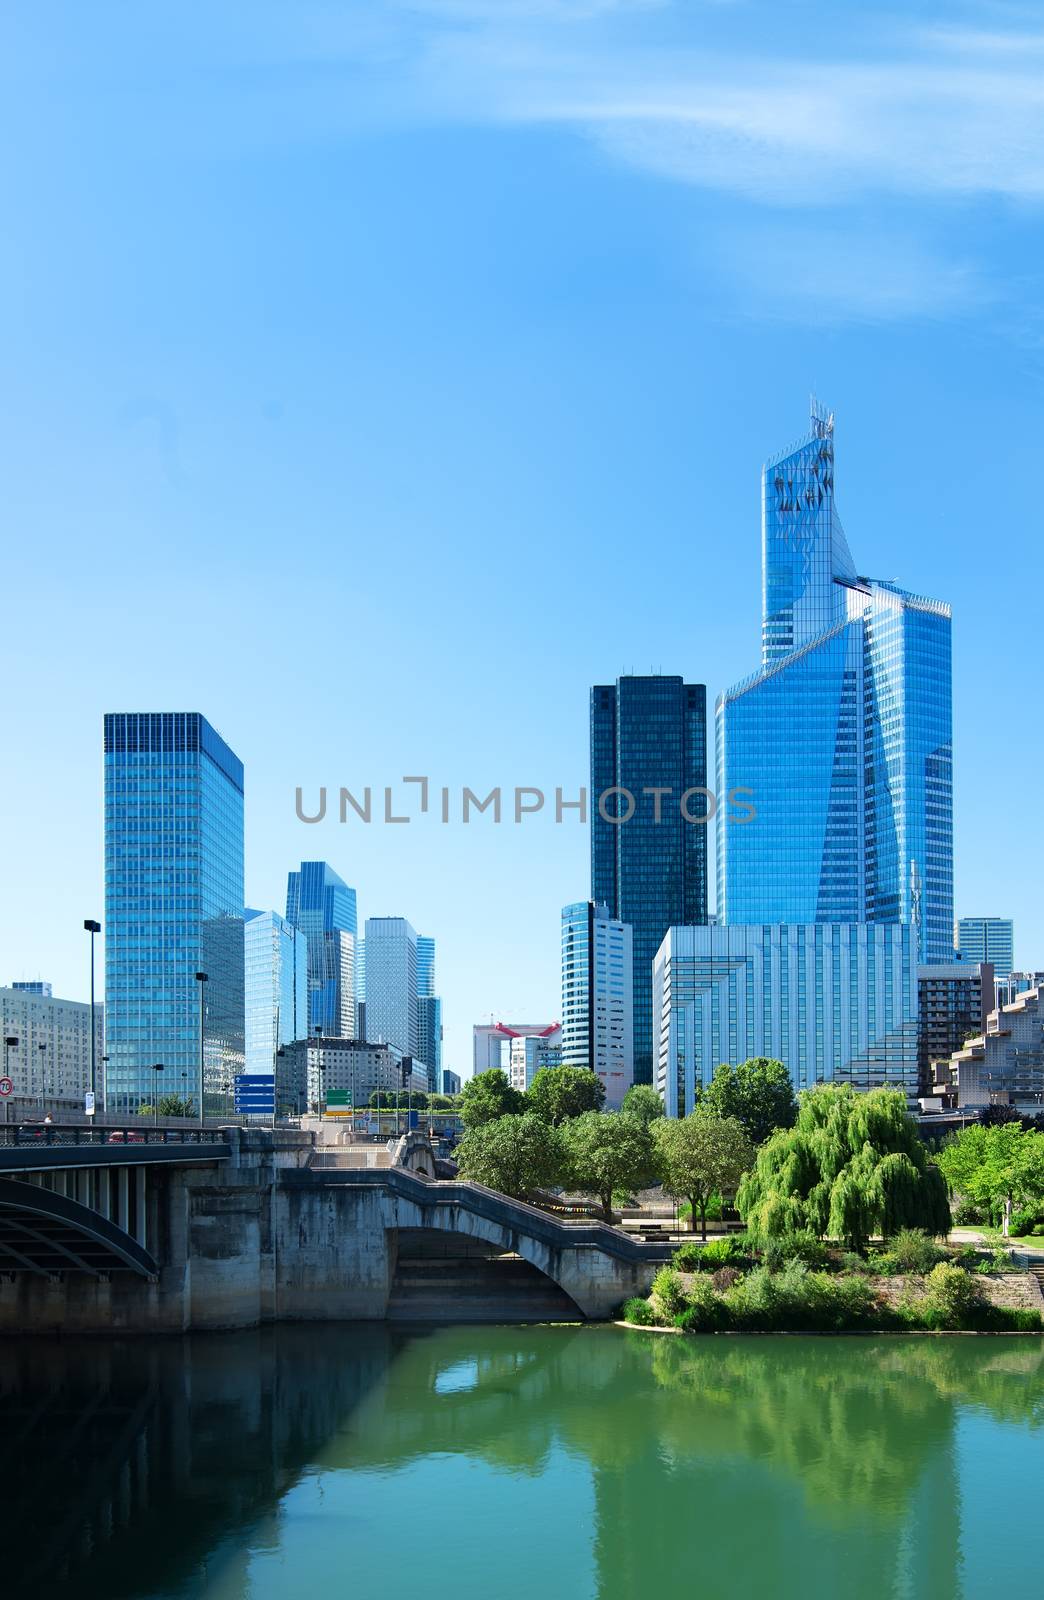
{"x": 43, "y": 1232}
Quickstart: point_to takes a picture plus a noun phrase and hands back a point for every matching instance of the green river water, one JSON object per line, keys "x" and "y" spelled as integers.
{"x": 523, "y": 1463}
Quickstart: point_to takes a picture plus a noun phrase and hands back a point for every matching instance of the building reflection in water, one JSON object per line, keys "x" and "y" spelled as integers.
{"x": 817, "y": 1466}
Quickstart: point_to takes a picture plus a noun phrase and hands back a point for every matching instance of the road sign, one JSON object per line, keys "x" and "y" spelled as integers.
{"x": 338, "y": 1099}
{"x": 6, "y": 1086}
{"x": 88, "y": 1102}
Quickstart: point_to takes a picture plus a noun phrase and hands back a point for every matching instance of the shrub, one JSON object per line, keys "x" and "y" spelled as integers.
{"x": 798, "y": 1244}
{"x": 912, "y": 1251}
{"x": 966, "y": 1215}
{"x": 723, "y": 1279}
{"x": 667, "y": 1292}
{"x": 852, "y": 1261}
{"x": 996, "y": 1261}
{"x": 952, "y": 1294}
{"x": 1023, "y": 1222}
{"x": 706, "y": 1312}
{"x": 729, "y": 1251}
{"x": 968, "y": 1258}
{"x": 637, "y": 1310}
{"x": 1022, "y": 1320}
{"x": 797, "y": 1300}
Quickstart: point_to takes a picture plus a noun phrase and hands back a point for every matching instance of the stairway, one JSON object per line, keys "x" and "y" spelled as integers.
{"x": 1037, "y": 1270}
{"x": 472, "y": 1289}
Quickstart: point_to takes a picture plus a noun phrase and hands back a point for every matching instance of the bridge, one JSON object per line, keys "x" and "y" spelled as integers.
{"x": 171, "y": 1229}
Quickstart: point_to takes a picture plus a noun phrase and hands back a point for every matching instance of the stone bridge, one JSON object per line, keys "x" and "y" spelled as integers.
{"x": 260, "y": 1228}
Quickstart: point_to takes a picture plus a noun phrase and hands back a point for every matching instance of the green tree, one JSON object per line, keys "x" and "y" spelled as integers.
{"x": 512, "y": 1154}
{"x": 558, "y": 1093}
{"x": 853, "y": 1165}
{"x": 758, "y": 1093}
{"x": 642, "y": 1101}
{"x": 488, "y": 1096}
{"x": 173, "y": 1105}
{"x": 608, "y": 1151}
{"x": 699, "y": 1155}
{"x": 995, "y": 1166}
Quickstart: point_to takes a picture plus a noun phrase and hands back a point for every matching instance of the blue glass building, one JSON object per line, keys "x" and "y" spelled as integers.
{"x": 323, "y": 907}
{"x": 648, "y": 733}
{"x": 276, "y": 987}
{"x": 843, "y": 738}
{"x": 173, "y": 906}
{"x": 429, "y": 1012}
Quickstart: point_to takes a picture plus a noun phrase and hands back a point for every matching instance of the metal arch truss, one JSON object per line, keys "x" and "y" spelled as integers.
{"x": 46, "y": 1233}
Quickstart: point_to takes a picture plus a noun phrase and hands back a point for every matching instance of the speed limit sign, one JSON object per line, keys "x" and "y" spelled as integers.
{"x": 6, "y": 1086}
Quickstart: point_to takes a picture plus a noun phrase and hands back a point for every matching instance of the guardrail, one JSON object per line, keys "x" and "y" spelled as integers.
{"x": 48, "y": 1134}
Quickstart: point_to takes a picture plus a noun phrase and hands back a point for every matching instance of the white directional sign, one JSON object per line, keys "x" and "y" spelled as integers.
{"x": 88, "y": 1102}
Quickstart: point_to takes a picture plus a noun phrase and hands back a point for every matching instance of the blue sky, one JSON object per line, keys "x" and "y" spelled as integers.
{"x": 379, "y": 376}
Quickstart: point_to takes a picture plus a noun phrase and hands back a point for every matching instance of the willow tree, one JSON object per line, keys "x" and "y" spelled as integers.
{"x": 852, "y": 1166}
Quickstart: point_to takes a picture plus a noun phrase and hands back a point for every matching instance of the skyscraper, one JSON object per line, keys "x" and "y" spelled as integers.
{"x": 844, "y": 737}
{"x": 649, "y": 746}
{"x": 323, "y": 906}
{"x": 989, "y": 939}
{"x": 391, "y": 984}
{"x": 276, "y": 987}
{"x": 173, "y": 906}
{"x": 598, "y": 996}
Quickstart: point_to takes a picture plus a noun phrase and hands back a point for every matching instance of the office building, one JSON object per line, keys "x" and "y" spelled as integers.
{"x": 429, "y": 1012}
{"x": 842, "y": 741}
{"x": 989, "y": 939}
{"x": 523, "y": 1056}
{"x": 491, "y": 1042}
{"x": 323, "y": 907}
{"x": 173, "y": 907}
{"x": 649, "y": 766}
{"x": 52, "y": 1060}
{"x": 835, "y": 1002}
{"x": 343, "y": 1073}
{"x": 451, "y": 1083}
{"x": 391, "y": 984}
{"x": 276, "y": 987}
{"x": 598, "y": 996}
{"x": 954, "y": 1000}
{"x": 1005, "y": 1064}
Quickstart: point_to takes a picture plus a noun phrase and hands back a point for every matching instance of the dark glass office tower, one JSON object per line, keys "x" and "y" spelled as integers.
{"x": 649, "y": 867}
{"x": 173, "y": 907}
{"x": 323, "y": 907}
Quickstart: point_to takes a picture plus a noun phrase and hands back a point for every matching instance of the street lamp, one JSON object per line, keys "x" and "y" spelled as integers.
{"x": 43, "y": 1071}
{"x": 201, "y": 979}
{"x": 10, "y": 1043}
{"x": 92, "y": 927}
{"x": 105, "y": 1083}
{"x": 157, "y": 1067}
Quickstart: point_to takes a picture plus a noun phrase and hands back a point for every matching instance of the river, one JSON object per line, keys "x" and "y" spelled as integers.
{"x": 539, "y": 1463}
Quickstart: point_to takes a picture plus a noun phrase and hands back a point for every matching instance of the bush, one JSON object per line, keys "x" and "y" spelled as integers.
{"x": 1021, "y": 1222}
{"x": 996, "y": 1261}
{"x": 637, "y": 1310}
{"x": 729, "y": 1251}
{"x": 797, "y": 1300}
{"x": 852, "y": 1261}
{"x": 799, "y": 1244}
{"x": 966, "y": 1215}
{"x": 667, "y": 1292}
{"x": 723, "y": 1279}
{"x": 913, "y": 1251}
{"x": 706, "y": 1312}
{"x": 952, "y": 1294}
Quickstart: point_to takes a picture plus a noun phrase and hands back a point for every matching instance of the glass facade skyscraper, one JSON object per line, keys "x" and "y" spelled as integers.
{"x": 173, "y": 906}
{"x": 429, "y": 1012}
{"x": 324, "y": 908}
{"x": 843, "y": 738}
{"x": 276, "y": 987}
{"x": 391, "y": 984}
{"x": 649, "y": 734}
{"x": 989, "y": 939}
{"x": 598, "y": 996}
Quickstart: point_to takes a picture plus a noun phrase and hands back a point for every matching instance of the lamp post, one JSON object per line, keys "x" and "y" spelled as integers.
{"x": 10, "y": 1043}
{"x": 157, "y": 1067}
{"x": 201, "y": 979}
{"x": 92, "y": 927}
{"x": 43, "y": 1071}
{"x": 105, "y": 1083}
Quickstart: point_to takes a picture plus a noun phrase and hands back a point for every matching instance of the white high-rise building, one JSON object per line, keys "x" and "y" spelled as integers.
{"x": 598, "y": 996}
{"x": 52, "y": 1059}
{"x": 529, "y": 1053}
{"x": 391, "y": 984}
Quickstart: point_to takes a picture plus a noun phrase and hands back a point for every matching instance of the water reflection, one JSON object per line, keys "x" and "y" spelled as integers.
{"x": 776, "y": 1466}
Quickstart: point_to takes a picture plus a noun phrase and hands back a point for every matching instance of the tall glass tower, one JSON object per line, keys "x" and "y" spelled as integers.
{"x": 649, "y": 867}
{"x": 844, "y": 737}
{"x": 323, "y": 907}
{"x": 173, "y": 907}
{"x": 276, "y": 987}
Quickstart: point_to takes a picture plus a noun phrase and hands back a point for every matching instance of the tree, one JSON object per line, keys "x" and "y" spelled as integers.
{"x": 642, "y": 1101}
{"x": 608, "y": 1151}
{"x": 513, "y": 1154}
{"x": 488, "y": 1096}
{"x": 173, "y": 1105}
{"x": 1000, "y": 1165}
{"x": 852, "y": 1165}
{"x": 558, "y": 1093}
{"x": 700, "y": 1155}
{"x": 759, "y": 1093}
{"x": 997, "y": 1116}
